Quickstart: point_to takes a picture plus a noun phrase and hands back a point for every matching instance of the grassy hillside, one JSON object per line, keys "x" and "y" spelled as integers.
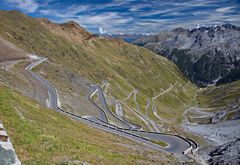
{"x": 222, "y": 98}
{"x": 126, "y": 67}
{"x": 42, "y": 136}
{"x": 218, "y": 96}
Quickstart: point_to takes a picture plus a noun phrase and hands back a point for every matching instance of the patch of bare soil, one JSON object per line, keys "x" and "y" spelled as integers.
{"x": 70, "y": 30}
{"x": 8, "y": 51}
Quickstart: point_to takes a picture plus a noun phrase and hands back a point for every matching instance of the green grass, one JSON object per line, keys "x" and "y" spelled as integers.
{"x": 214, "y": 97}
{"x": 217, "y": 98}
{"x": 42, "y": 136}
{"x": 123, "y": 65}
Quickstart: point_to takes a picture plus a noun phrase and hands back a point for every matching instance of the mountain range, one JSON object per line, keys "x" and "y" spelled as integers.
{"x": 138, "y": 86}
{"x": 207, "y": 55}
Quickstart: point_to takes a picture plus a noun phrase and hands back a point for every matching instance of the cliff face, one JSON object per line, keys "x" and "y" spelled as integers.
{"x": 208, "y": 55}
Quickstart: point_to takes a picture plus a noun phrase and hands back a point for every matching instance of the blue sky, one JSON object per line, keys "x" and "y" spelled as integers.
{"x": 131, "y": 16}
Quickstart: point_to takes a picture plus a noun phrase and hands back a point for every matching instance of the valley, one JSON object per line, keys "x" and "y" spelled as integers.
{"x": 111, "y": 96}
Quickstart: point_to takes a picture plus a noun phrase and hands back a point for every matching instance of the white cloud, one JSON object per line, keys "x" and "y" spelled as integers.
{"x": 138, "y": 7}
{"x": 74, "y": 9}
{"x": 225, "y": 9}
{"x": 26, "y": 5}
{"x": 116, "y": 3}
{"x": 141, "y": 16}
{"x": 107, "y": 18}
{"x": 45, "y": 12}
{"x": 102, "y": 31}
{"x": 68, "y": 12}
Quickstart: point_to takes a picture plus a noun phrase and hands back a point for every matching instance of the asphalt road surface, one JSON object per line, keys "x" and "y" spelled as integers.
{"x": 176, "y": 144}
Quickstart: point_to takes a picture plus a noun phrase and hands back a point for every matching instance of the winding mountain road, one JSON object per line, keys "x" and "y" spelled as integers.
{"x": 176, "y": 144}
{"x": 105, "y": 109}
{"x": 102, "y": 114}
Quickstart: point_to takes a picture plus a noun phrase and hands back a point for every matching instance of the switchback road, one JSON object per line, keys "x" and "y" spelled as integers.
{"x": 175, "y": 144}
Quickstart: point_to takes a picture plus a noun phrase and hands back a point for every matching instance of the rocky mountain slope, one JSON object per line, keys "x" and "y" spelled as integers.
{"x": 227, "y": 153}
{"x": 70, "y": 30}
{"x": 78, "y": 59}
{"x": 208, "y": 55}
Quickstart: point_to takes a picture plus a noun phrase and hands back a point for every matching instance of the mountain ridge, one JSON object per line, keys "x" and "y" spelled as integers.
{"x": 71, "y": 30}
{"x": 208, "y": 55}
{"x": 195, "y": 50}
